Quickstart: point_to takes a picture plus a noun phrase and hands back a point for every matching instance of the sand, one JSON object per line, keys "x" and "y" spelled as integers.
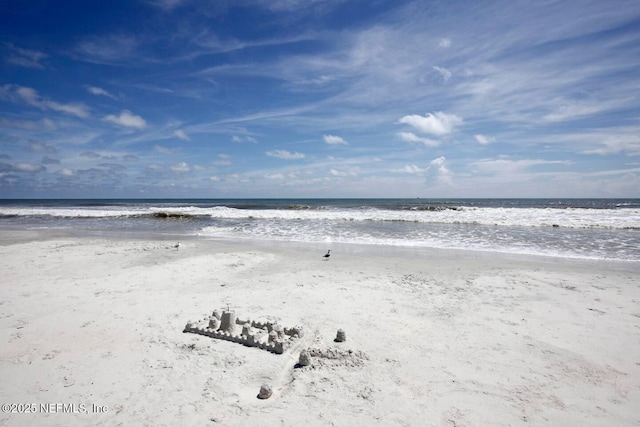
{"x": 92, "y": 334}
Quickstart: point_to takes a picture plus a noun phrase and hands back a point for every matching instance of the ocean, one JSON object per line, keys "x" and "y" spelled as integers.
{"x": 607, "y": 229}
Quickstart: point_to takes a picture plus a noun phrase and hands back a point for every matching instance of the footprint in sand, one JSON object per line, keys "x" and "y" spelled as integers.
{"x": 454, "y": 418}
{"x": 20, "y": 324}
{"x": 67, "y": 378}
{"x": 50, "y": 355}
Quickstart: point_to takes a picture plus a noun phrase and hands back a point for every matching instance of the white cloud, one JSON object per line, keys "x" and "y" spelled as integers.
{"x": 112, "y": 49}
{"x": 126, "y": 119}
{"x": 49, "y": 124}
{"x": 223, "y": 160}
{"x": 99, "y": 92}
{"x": 613, "y": 144}
{"x": 345, "y": 172}
{"x": 44, "y": 124}
{"x": 505, "y": 166}
{"x": 163, "y": 150}
{"x": 332, "y": 139}
{"x": 24, "y": 57}
{"x": 27, "y": 94}
{"x": 76, "y": 109}
{"x": 572, "y": 110}
{"x": 181, "y": 167}
{"x": 484, "y": 140}
{"x": 412, "y": 137}
{"x": 90, "y": 155}
{"x": 437, "y": 171}
{"x": 28, "y": 167}
{"x": 39, "y": 147}
{"x": 166, "y": 5}
{"x": 437, "y": 123}
{"x": 239, "y": 139}
{"x": 30, "y": 96}
{"x": 66, "y": 172}
{"x": 273, "y": 176}
{"x": 601, "y": 141}
{"x": 411, "y": 169}
{"x": 180, "y": 134}
{"x": 284, "y": 154}
{"x": 444, "y": 42}
{"x": 439, "y": 162}
{"x": 446, "y": 74}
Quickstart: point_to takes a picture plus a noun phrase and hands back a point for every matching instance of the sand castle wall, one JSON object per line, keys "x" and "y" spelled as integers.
{"x": 269, "y": 336}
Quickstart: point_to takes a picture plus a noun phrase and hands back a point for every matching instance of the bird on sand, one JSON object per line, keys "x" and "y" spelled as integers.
{"x": 177, "y": 246}
{"x": 327, "y": 255}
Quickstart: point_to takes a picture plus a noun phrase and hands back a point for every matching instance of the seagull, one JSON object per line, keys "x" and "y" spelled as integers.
{"x": 327, "y": 255}
{"x": 177, "y": 246}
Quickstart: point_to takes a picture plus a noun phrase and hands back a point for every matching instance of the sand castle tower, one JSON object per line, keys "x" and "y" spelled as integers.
{"x": 228, "y": 322}
{"x": 214, "y": 320}
{"x": 304, "y": 359}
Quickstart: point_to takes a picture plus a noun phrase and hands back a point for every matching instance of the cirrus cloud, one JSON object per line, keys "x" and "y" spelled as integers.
{"x": 30, "y": 96}
{"x": 504, "y": 165}
{"x": 24, "y": 57}
{"x": 164, "y": 150}
{"x": 98, "y": 91}
{"x": 412, "y": 137}
{"x": 180, "y": 134}
{"x": 484, "y": 140}
{"x": 446, "y": 74}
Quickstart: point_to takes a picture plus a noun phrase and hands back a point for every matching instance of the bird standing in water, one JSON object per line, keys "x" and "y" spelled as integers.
{"x": 327, "y": 255}
{"x": 177, "y": 246}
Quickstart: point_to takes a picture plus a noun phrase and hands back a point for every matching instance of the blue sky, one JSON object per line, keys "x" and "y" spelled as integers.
{"x": 313, "y": 98}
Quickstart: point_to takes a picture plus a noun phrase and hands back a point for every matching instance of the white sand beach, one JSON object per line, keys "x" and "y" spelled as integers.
{"x": 92, "y": 334}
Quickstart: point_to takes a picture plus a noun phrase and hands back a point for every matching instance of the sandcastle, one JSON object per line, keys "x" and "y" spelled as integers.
{"x": 269, "y": 336}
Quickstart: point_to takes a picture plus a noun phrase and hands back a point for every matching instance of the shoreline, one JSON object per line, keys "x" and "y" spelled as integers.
{"x": 436, "y": 338}
{"x": 362, "y": 249}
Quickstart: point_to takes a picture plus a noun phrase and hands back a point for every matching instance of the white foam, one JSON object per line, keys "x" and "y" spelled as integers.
{"x": 532, "y": 217}
{"x": 67, "y": 212}
{"x": 599, "y": 233}
{"x": 529, "y": 217}
{"x": 443, "y": 240}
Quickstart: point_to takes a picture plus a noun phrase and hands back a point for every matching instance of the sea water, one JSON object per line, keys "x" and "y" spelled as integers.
{"x": 571, "y": 228}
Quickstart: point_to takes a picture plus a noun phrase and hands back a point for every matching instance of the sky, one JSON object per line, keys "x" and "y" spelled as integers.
{"x": 319, "y": 98}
